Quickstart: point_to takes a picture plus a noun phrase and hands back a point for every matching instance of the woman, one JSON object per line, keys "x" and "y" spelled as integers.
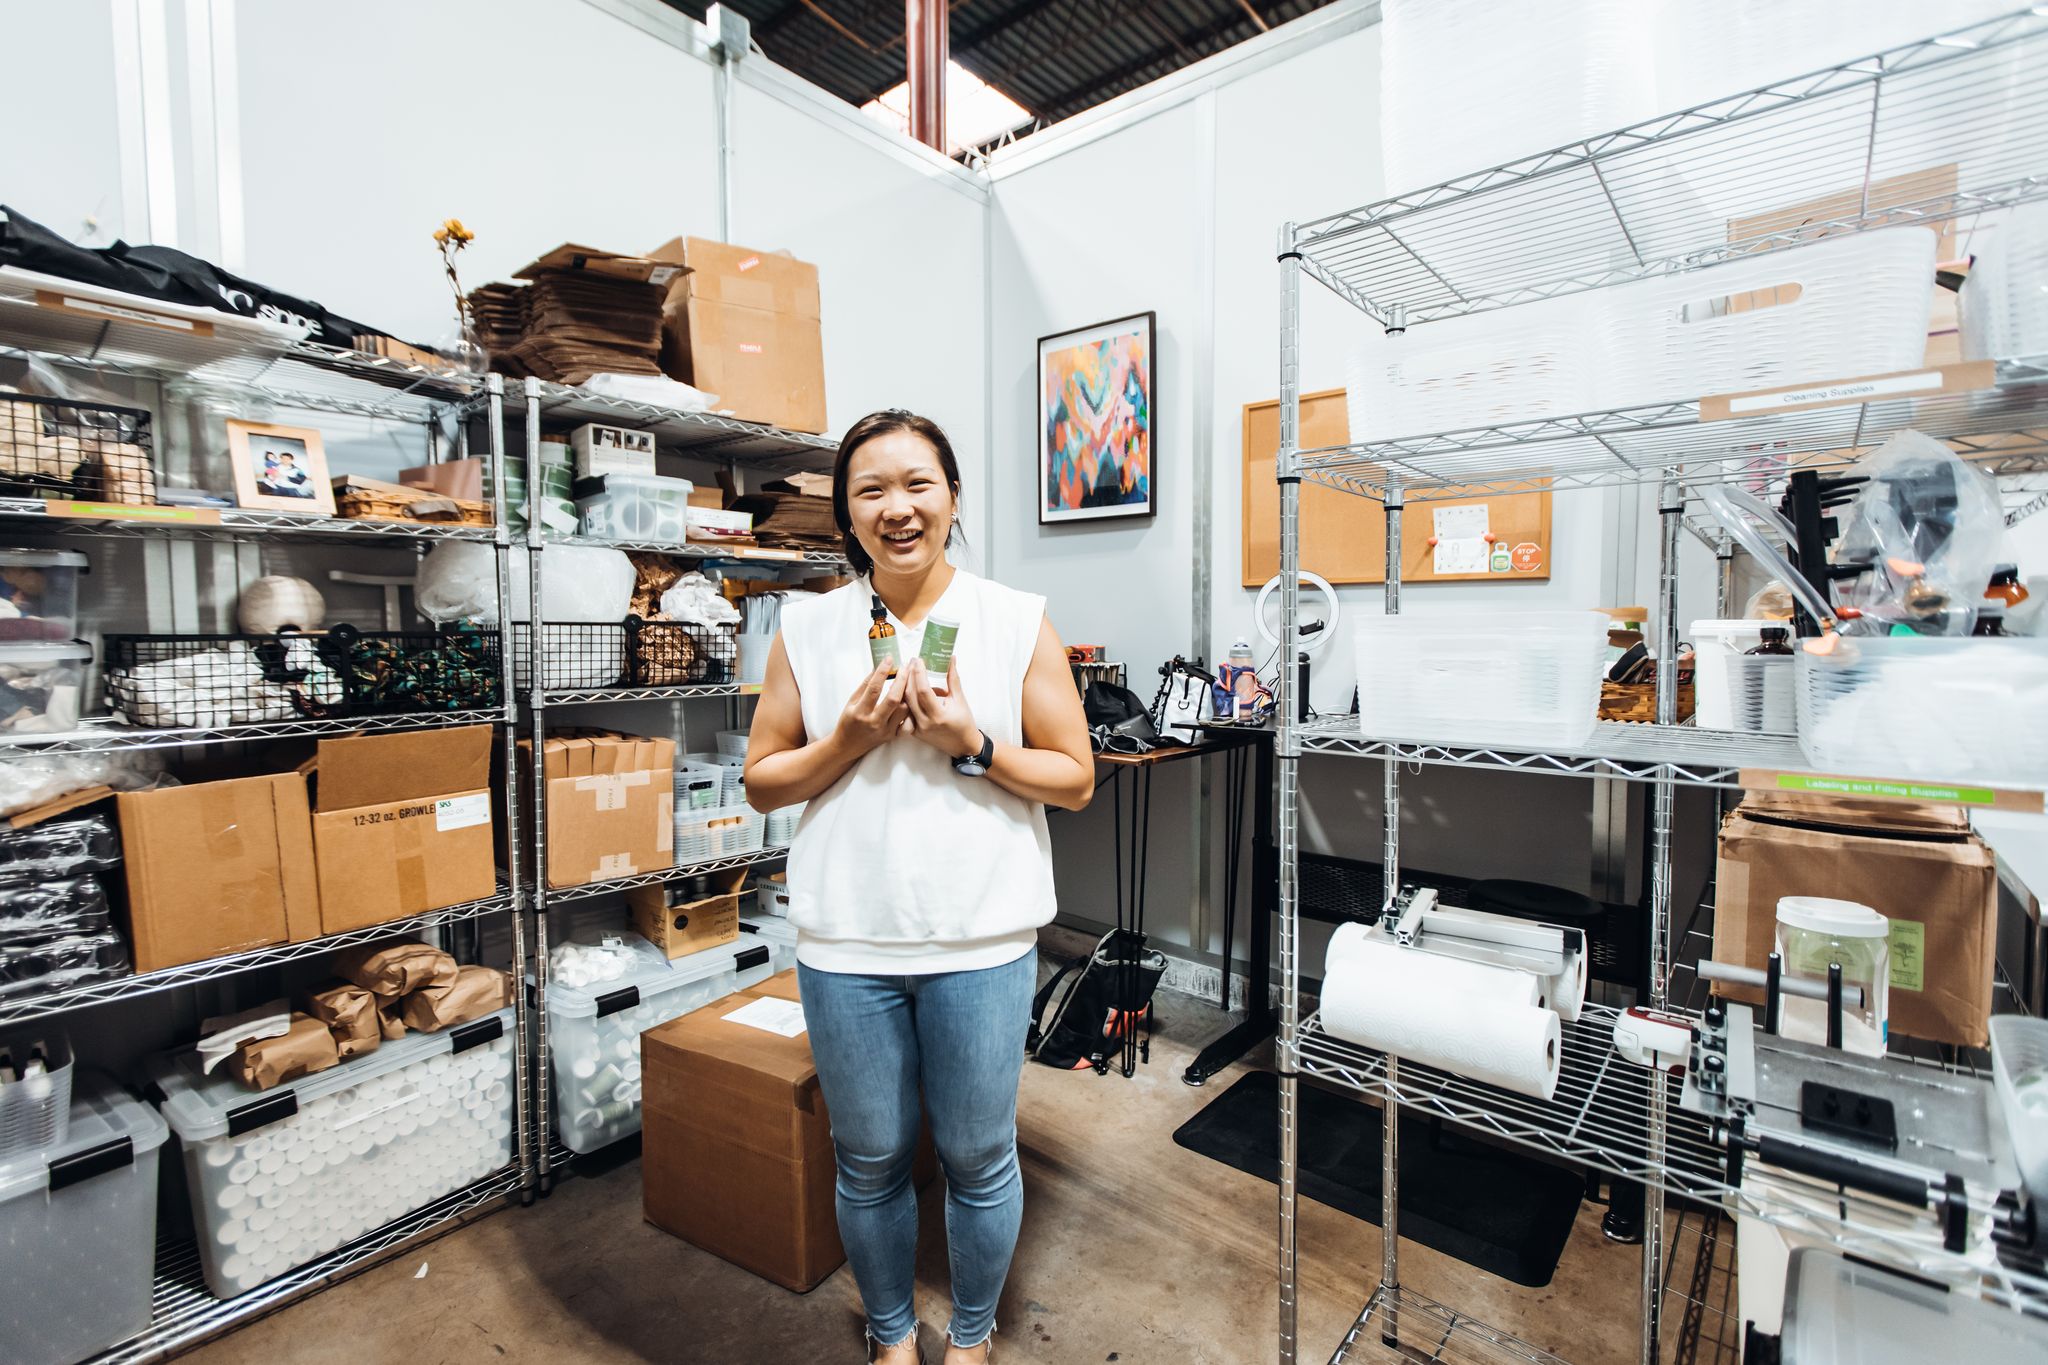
{"x": 921, "y": 869}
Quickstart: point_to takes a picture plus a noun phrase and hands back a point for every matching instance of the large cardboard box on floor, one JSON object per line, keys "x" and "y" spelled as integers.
{"x": 402, "y": 824}
{"x": 218, "y": 867}
{"x": 743, "y": 324}
{"x": 736, "y": 1146}
{"x": 1920, "y": 866}
{"x": 611, "y": 805}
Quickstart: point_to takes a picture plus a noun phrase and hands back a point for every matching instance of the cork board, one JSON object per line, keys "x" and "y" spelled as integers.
{"x": 1343, "y": 536}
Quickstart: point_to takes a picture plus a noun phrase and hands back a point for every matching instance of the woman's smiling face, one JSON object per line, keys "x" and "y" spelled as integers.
{"x": 899, "y": 502}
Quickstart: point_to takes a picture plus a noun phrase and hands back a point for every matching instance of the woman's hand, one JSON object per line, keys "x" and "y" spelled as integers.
{"x": 874, "y": 714}
{"x": 941, "y": 719}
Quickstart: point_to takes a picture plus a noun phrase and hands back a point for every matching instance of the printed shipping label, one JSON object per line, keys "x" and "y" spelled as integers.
{"x": 462, "y": 812}
{"x": 1909, "y": 955}
{"x": 772, "y": 1015}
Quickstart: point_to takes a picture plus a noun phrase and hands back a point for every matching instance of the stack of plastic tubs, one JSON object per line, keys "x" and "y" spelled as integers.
{"x": 594, "y": 1031}
{"x": 2004, "y": 312}
{"x": 715, "y": 823}
{"x": 1529, "y": 679}
{"x": 1952, "y": 707}
{"x": 782, "y": 824}
{"x": 78, "y": 1224}
{"x": 56, "y": 925}
{"x": 283, "y": 1176}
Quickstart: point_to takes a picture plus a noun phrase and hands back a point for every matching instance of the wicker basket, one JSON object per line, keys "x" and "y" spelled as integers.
{"x": 1636, "y": 703}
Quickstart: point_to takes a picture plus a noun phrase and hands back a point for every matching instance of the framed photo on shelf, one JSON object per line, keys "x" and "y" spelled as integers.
{"x": 280, "y": 469}
{"x": 1097, "y": 432}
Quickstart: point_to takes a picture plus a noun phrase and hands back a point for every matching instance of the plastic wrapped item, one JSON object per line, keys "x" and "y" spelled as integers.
{"x": 1931, "y": 528}
{"x": 361, "y": 1144}
{"x": 1943, "y": 708}
{"x": 59, "y": 907}
{"x": 695, "y": 599}
{"x": 39, "y": 594}
{"x": 56, "y": 963}
{"x": 32, "y": 779}
{"x": 39, "y": 686}
{"x": 59, "y": 848}
{"x": 206, "y": 682}
{"x": 605, "y": 956}
{"x": 458, "y": 581}
{"x": 642, "y": 507}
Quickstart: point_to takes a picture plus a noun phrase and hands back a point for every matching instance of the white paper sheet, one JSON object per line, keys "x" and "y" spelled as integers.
{"x": 1464, "y": 521}
{"x": 785, "y": 1017}
{"x": 1461, "y": 556}
{"x": 1461, "y": 545}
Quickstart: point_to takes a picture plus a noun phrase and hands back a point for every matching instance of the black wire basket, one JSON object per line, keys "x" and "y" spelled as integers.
{"x": 56, "y": 448}
{"x": 679, "y": 653}
{"x": 576, "y": 656}
{"x": 210, "y": 681}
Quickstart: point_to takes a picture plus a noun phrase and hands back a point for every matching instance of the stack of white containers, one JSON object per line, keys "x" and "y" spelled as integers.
{"x": 712, "y": 817}
{"x": 2004, "y": 309}
{"x": 1525, "y": 678}
{"x": 78, "y": 1232}
{"x": 281, "y": 1177}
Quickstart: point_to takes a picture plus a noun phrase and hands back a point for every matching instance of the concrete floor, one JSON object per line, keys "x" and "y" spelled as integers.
{"x": 1133, "y": 1251}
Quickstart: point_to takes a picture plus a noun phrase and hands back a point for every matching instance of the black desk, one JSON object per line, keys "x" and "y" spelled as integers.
{"x": 1134, "y": 834}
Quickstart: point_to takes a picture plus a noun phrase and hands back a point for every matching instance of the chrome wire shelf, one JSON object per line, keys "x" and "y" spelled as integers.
{"x": 703, "y": 435}
{"x": 1651, "y": 199}
{"x": 1599, "y": 1117}
{"x": 1429, "y": 1332}
{"x": 99, "y": 735}
{"x": 563, "y": 895}
{"x": 2003, "y": 430}
{"x": 184, "y": 1313}
{"x": 232, "y": 523}
{"x": 64, "y": 999}
{"x": 824, "y": 558}
{"x": 679, "y": 692}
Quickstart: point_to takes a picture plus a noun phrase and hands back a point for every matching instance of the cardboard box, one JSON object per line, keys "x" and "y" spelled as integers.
{"x": 1921, "y": 866}
{"x": 402, "y": 824}
{"x": 611, "y": 805}
{"x": 218, "y": 867}
{"x": 683, "y": 926}
{"x": 601, "y": 449}
{"x": 736, "y": 1146}
{"x": 743, "y": 324}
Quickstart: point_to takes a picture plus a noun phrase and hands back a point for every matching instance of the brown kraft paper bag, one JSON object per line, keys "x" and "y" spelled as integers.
{"x": 475, "y": 992}
{"x": 305, "y": 1048}
{"x": 394, "y": 969}
{"x": 350, "y": 1013}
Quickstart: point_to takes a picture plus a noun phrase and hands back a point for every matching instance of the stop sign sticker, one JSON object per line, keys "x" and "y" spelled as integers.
{"x": 1527, "y": 557}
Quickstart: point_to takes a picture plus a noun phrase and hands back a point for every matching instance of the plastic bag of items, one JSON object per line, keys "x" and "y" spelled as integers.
{"x": 63, "y": 907}
{"x": 234, "y": 685}
{"x": 607, "y": 957}
{"x": 33, "y": 779}
{"x": 57, "y": 963}
{"x": 59, "y": 848}
{"x": 1928, "y": 528}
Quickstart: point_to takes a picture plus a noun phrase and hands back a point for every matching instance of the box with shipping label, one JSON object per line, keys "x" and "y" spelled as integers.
{"x": 736, "y": 1147}
{"x": 679, "y": 924}
{"x": 402, "y": 824}
{"x": 601, "y": 449}
{"x": 743, "y": 324}
{"x": 1919, "y": 866}
{"x": 218, "y": 867}
{"x": 611, "y": 806}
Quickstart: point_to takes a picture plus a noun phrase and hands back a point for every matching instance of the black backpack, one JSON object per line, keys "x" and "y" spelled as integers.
{"x": 1118, "y": 722}
{"x": 1110, "y": 991}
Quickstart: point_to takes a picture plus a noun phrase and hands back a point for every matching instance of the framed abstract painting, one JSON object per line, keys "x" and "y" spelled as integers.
{"x": 1097, "y": 430}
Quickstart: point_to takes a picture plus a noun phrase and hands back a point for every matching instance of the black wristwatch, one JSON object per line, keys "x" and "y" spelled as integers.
{"x": 977, "y": 764}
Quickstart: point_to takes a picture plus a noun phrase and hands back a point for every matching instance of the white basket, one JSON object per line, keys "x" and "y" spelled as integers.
{"x": 782, "y": 824}
{"x": 1960, "y": 708}
{"x": 1530, "y": 679}
{"x": 733, "y": 790}
{"x": 771, "y": 896}
{"x": 733, "y": 743}
{"x": 36, "y": 1113}
{"x": 1510, "y": 366}
{"x": 702, "y": 835}
{"x": 2004, "y": 309}
{"x": 1861, "y": 308}
{"x": 690, "y": 795}
{"x": 2019, "y": 1057}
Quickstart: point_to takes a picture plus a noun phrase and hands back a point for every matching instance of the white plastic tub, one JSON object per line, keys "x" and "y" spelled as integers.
{"x": 282, "y": 1176}
{"x": 1737, "y": 690}
{"x": 732, "y": 790}
{"x": 1511, "y": 366}
{"x": 699, "y": 786}
{"x": 594, "y": 1034}
{"x": 1529, "y": 679}
{"x": 35, "y": 1113}
{"x": 78, "y": 1233}
{"x": 647, "y": 507}
{"x": 1963, "y": 708}
{"x": 2004, "y": 311}
{"x": 782, "y": 824}
{"x": 44, "y": 681}
{"x": 702, "y": 835}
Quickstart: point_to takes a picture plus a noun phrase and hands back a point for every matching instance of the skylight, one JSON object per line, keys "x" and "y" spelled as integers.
{"x": 975, "y": 110}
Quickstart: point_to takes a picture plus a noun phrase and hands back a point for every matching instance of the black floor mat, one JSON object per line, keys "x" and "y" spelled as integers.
{"x": 1509, "y": 1215}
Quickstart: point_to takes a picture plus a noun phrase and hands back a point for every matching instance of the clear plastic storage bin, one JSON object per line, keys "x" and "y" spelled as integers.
{"x": 1954, "y": 708}
{"x": 40, "y": 685}
{"x": 2004, "y": 311}
{"x": 2019, "y": 1060}
{"x": 733, "y": 743}
{"x": 724, "y": 832}
{"x": 699, "y": 786}
{"x": 782, "y": 824}
{"x": 1527, "y": 679}
{"x": 283, "y": 1176}
{"x": 777, "y": 935}
{"x": 594, "y": 1034}
{"x": 634, "y": 507}
{"x": 35, "y": 1111}
{"x": 78, "y": 1225}
{"x": 39, "y": 595}
{"x": 732, "y": 789}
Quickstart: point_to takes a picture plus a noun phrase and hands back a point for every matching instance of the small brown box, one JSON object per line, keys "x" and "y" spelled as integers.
{"x": 680, "y": 928}
{"x": 736, "y": 1147}
{"x": 218, "y": 867}
{"x": 1918, "y": 865}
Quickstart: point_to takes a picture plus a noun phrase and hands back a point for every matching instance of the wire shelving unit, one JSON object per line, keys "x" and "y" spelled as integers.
{"x": 1630, "y": 205}
{"x": 272, "y": 363}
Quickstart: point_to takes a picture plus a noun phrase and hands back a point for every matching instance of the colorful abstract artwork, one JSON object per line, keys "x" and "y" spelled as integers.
{"x": 1096, "y": 432}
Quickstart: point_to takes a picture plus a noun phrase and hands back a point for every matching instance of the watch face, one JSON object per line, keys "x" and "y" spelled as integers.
{"x": 970, "y": 767}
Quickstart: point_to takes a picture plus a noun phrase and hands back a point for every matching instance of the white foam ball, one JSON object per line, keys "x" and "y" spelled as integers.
{"x": 276, "y": 602}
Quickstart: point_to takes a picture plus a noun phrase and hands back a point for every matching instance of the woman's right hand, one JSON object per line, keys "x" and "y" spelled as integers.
{"x": 874, "y": 714}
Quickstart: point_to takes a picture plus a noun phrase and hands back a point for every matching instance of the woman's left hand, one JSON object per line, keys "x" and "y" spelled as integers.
{"x": 941, "y": 719}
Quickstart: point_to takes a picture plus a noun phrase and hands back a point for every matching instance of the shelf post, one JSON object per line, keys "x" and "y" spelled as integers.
{"x": 1390, "y": 882}
{"x": 536, "y": 702}
{"x": 1287, "y": 471}
{"x": 1671, "y": 512}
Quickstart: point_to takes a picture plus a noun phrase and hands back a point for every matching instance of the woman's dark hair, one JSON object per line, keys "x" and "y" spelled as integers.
{"x": 859, "y": 434}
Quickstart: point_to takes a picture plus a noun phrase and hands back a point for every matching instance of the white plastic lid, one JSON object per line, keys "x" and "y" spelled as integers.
{"x": 574, "y": 1002}
{"x": 101, "y": 1114}
{"x": 654, "y": 484}
{"x": 17, "y": 557}
{"x": 200, "y": 1106}
{"x": 773, "y": 928}
{"x": 1840, "y": 919}
{"x": 44, "y": 652}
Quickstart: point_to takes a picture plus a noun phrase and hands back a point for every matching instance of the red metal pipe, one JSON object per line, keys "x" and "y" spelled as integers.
{"x": 925, "y": 44}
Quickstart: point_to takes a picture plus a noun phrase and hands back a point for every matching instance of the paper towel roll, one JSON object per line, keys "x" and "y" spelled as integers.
{"x": 1423, "y": 1008}
{"x": 1356, "y": 943}
{"x": 1568, "y": 995}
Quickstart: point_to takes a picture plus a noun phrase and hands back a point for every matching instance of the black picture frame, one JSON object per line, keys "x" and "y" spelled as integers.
{"x": 1060, "y": 506}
